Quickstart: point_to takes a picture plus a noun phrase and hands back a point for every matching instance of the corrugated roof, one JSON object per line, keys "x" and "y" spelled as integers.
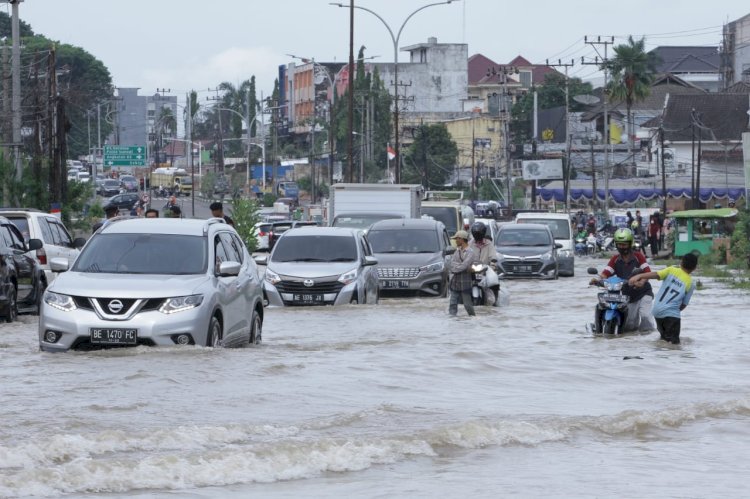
{"x": 689, "y": 59}
{"x": 717, "y": 117}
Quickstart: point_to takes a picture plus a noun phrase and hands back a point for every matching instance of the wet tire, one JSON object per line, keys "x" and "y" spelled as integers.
{"x": 11, "y": 311}
{"x": 444, "y": 289}
{"x": 256, "y": 329}
{"x": 213, "y": 335}
{"x": 609, "y": 327}
{"x": 41, "y": 287}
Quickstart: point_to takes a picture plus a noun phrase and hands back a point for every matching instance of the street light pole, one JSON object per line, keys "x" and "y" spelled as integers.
{"x": 394, "y": 39}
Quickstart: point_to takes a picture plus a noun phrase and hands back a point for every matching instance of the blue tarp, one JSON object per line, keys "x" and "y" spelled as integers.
{"x": 629, "y": 196}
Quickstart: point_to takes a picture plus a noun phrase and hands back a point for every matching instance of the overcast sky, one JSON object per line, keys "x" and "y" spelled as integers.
{"x": 197, "y": 44}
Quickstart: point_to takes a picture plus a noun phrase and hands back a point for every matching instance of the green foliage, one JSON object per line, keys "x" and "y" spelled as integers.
{"x": 740, "y": 241}
{"x": 246, "y": 214}
{"x": 6, "y": 28}
{"x": 632, "y": 71}
{"x": 431, "y": 158}
{"x": 207, "y": 184}
{"x": 269, "y": 199}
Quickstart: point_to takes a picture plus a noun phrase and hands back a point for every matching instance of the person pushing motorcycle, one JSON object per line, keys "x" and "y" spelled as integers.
{"x": 622, "y": 265}
{"x": 486, "y": 254}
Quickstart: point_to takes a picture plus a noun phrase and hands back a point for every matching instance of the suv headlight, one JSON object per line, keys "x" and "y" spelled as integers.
{"x": 547, "y": 256}
{"x": 433, "y": 267}
{"x": 564, "y": 253}
{"x": 348, "y": 277}
{"x": 180, "y": 304}
{"x": 60, "y": 302}
{"x": 271, "y": 276}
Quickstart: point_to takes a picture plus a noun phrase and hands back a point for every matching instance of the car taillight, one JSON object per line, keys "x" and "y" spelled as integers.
{"x": 41, "y": 255}
{"x": 262, "y": 234}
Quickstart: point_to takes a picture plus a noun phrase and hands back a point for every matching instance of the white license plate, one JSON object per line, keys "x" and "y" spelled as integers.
{"x": 614, "y": 297}
{"x": 394, "y": 284}
{"x": 113, "y": 336}
{"x": 307, "y": 298}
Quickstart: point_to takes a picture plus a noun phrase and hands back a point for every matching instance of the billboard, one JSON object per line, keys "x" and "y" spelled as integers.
{"x": 542, "y": 169}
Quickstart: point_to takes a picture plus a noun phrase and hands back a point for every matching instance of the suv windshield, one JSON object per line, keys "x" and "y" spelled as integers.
{"x": 523, "y": 238}
{"x": 560, "y": 228}
{"x": 311, "y": 248}
{"x": 143, "y": 254}
{"x": 404, "y": 241}
{"x": 358, "y": 221}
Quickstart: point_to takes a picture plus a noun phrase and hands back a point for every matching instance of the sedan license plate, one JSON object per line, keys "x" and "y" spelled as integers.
{"x": 523, "y": 268}
{"x": 615, "y": 297}
{"x": 307, "y": 298}
{"x": 395, "y": 284}
{"x": 114, "y": 336}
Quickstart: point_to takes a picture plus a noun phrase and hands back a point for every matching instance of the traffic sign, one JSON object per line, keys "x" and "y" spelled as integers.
{"x": 124, "y": 155}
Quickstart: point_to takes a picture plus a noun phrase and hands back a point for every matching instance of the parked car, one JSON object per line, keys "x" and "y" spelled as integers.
{"x": 129, "y": 183}
{"x": 320, "y": 266}
{"x": 413, "y": 255}
{"x": 127, "y": 288}
{"x": 124, "y": 201}
{"x": 98, "y": 180}
{"x": 109, "y": 187}
{"x": 56, "y": 240}
{"x": 21, "y": 277}
{"x": 526, "y": 250}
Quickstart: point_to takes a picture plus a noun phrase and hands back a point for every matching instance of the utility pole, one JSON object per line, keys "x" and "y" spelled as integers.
{"x": 603, "y": 65}
{"x": 220, "y": 165}
{"x": 16, "y": 86}
{"x": 663, "y": 173}
{"x": 568, "y": 136}
{"x": 350, "y": 115}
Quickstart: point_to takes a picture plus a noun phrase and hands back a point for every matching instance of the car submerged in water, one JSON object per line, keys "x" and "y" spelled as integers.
{"x": 526, "y": 250}
{"x": 320, "y": 266}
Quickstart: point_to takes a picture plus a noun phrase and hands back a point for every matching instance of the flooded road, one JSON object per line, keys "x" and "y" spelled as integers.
{"x": 393, "y": 400}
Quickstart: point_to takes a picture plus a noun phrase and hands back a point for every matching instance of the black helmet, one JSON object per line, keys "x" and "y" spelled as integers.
{"x": 478, "y": 231}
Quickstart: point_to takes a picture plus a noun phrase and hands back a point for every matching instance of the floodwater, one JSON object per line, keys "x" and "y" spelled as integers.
{"x": 393, "y": 400}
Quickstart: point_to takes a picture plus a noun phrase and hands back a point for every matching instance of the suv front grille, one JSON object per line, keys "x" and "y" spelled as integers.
{"x": 317, "y": 287}
{"x": 84, "y": 302}
{"x": 398, "y": 272}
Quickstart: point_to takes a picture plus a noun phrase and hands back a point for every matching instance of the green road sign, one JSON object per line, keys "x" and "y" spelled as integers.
{"x": 124, "y": 156}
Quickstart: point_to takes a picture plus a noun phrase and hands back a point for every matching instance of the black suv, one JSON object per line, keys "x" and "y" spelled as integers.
{"x": 124, "y": 201}
{"x": 21, "y": 277}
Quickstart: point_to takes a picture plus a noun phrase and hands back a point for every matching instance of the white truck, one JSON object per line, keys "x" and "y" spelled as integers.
{"x": 403, "y": 200}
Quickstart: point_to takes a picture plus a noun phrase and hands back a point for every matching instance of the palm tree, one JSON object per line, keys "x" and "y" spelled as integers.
{"x": 633, "y": 70}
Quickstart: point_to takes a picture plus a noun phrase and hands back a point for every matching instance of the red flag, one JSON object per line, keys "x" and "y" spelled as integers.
{"x": 391, "y": 153}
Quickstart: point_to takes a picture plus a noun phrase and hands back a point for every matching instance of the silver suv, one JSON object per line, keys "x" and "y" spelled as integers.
{"x": 413, "y": 255}
{"x": 57, "y": 243}
{"x": 154, "y": 281}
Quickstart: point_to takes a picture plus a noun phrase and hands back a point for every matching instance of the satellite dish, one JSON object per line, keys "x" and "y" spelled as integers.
{"x": 586, "y": 99}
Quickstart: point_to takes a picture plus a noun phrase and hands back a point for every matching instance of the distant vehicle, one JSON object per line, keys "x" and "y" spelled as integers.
{"x": 491, "y": 225}
{"x": 320, "y": 266}
{"x": 278, "y": 228}
{"x": 109, "y": 187}
{"x": 74, "y": 163}
{"x": 288, "y": 189}
{"x": 401, "y": 199}
{"x": 526, "y": 250}
{"x": 129, "y": 183}
{"x": 124, "y": 201}
{"x": 175, "y": 180}
{"x": 83, "y": 177}
{"x": 559, "y": 225}
{"x": 413, "y": 255}
{"x": 127, "y": 288}
{"x": 21, "y": 277}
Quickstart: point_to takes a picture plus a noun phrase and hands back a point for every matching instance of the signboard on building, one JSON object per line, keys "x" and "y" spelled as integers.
{"x": 124, "y": 155}
{"x": 542, "y": 169}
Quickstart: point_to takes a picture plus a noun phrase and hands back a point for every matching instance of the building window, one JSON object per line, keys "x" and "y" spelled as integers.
{"x": 525, "y": 79}
{"x": 423, "y": 55}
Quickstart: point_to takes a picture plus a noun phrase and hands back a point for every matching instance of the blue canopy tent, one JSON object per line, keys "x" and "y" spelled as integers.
{"x": 629, "y": 196}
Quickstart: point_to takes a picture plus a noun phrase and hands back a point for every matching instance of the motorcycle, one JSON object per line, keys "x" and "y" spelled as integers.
{"x": 612, "y": 308}
{"x": 484, "y": 277}
{"x": 605, "y": 241}
{"x": 580, "y": 247}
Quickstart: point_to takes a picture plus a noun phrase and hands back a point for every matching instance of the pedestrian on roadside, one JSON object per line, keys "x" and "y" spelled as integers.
{"x": 217, "y": 211}
{"x": 673, "y": 295}
{"x": 152, "y": 213}
{"x": 653, "y": 235}
{"x": 461, "y": 277}
{"x": 110, "y": 212}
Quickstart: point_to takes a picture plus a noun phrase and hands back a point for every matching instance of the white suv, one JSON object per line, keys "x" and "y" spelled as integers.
{"x": 35, "y": 224}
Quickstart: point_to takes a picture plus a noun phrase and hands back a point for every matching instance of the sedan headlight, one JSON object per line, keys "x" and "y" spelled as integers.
{"x": 547, "y": 256}
{"x": 433, "y": 267}
{"x": 348, "y": 277}
{"x": 60, "y": 302}
{"x": 272, "y": 277}
{"x": 564, "y": 253}
{"x": 180, "y": 304}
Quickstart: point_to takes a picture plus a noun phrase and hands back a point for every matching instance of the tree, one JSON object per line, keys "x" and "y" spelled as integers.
{"x": 632, "y": 70}
{"x": 431, "y": 158}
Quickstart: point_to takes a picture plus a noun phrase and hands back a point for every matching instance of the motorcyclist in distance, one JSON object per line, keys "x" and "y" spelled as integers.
{"x": 486, "y": 254}
{"x": 623, "y": 264}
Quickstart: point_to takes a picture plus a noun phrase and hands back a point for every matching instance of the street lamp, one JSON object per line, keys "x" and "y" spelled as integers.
{"x": 245, "y": 120}
{"x": 395, "y": 39}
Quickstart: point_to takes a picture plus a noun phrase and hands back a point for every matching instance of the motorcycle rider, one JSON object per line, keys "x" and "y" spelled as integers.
{"x": 581, "y": 237}
{"x": 486, "y": 254}
{"x": 641, "y": 298}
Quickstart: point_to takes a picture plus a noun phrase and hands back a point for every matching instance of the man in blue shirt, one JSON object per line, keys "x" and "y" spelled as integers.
{"x": 673, "y": 295}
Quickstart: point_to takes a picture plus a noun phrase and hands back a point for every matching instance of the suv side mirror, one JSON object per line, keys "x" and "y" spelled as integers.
{"x": 79, "y": 242}
{"x": 449, "y": 250}
{"x": 35, "y": 244}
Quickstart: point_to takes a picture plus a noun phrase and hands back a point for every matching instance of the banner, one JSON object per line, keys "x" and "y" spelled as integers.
{"x": 542, "y": 169}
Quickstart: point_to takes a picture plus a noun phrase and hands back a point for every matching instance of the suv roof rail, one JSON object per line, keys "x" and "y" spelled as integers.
{"x": 22, "y": 209}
